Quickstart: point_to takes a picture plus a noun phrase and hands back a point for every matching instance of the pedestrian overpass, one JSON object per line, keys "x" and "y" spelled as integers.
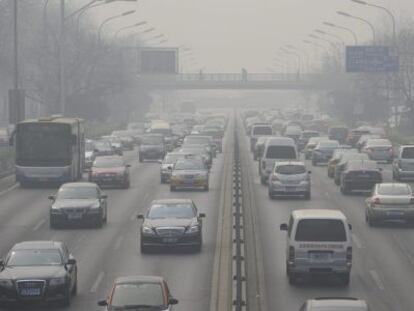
{"x": 231, "y": 81}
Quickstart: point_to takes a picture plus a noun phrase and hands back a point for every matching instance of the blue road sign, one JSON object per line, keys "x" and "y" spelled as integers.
{"x": 370, "y": 58}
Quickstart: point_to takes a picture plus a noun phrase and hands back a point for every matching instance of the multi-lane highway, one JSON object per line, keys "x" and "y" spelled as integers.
{"x": 113, "y": 251}
{"x": 383, "y": 264}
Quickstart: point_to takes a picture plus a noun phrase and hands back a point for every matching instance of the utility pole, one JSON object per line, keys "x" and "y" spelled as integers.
{"x": 62, "y": 75}
{"x": 16, "y": 95}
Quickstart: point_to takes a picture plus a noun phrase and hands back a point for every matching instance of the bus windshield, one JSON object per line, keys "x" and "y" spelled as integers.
{"x": 43, "y": 145}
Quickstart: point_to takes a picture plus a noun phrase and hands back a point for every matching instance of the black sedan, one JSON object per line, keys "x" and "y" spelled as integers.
{"x": 38, "y": 271}
{"x": 79, "y": 202}
{"x": 171, "y": 223}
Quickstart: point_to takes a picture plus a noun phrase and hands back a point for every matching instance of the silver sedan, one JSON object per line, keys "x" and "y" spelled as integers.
{"x": 390, "y": 202}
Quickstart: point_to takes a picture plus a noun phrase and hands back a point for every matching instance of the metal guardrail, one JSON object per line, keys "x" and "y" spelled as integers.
{"x": 238, "y": 267}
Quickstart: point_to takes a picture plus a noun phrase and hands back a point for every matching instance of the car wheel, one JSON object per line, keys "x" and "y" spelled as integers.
{"x": 314, "y": 163}
{"x": 292, "y": 278}
{"x": 337, "y": 182}
{"x": 344, "y": 190}
{"x": 75, "y": 288}
{"x": 206, "y": 188}
{"x": 263, "y": 180}
{"x": 105, "y": 220}
{"x": 141, "y": 158}
{"x": 172, "y": 188}
{"x": 396, "y": 177}
{"x": 127, "y": 184}
{"x": 52, "y": 223}
{"x": 162, "y": 180}
{"x": 99, "y": 222}
{"x": 346, "y": 277}
{"x": 308, "y": 195}
{"x": 271, "y": 197}
{"x": 143, "y": 248}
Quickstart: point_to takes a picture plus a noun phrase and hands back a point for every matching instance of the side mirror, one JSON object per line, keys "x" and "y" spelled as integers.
{"x": 169, "y": 168}
{"x": 102, "y": 303}
{"x": 172, "y": 301}
{"x": 71, "y": 261}
{"x": 95, "y": 150}
{"x": 309, "y": 172}
{"x": 128, "y": 165}
{"x": 202, "y": 215}
{"x": 140, "y": 216}
{"x": 51, "y": 197}
{"x": 284, "y": 227}
{"x": 104, "y": 196}
{"x": 350, "y": 226}
{"x": 380, "y": 169}
{"x": 1, "y": 263}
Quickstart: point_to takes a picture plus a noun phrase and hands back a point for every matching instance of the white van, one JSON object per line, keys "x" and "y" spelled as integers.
{"x": 276, "y": 149}
{"x": 318, "y": 242}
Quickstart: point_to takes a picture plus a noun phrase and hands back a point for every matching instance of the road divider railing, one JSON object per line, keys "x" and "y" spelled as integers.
{"x": 238, "y": 266}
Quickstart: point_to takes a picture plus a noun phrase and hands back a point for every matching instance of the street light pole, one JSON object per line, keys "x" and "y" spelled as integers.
{"x": 394, "y": 34}
{"x": 107, "y": 20}
{"x": 353, "y": 34}
{"x": 15, "y": 45}
{"x": 128, "y": 27}
{"x": 62, "y": 76}
{"x": 362, "y": 20}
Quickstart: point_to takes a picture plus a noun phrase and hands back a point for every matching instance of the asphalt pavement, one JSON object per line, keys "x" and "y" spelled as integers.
{"x": 113, "y": 251}
{"x": 383, "y": 264}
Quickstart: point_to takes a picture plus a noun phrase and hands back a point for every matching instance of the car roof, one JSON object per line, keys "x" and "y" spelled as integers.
{"x": 109, "y": 157}
{"x": 38, "y": 245}
{"x": 318, "y": 213}
{"x": 364, "y": 164}
{"x": 337, "y": 302}
{"x": 171, "y": 201}
{"x": 283, "y": 163}
{"x": 78, "y": 184}
{"x": 287, "y": 141}
{"x": 139, "y": 279}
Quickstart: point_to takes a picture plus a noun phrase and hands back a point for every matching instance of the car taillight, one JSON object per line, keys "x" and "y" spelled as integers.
{"x": 369, "y": 150}
{"x": 349, "y": 253}
{"x": 412, "y": 200}
{"x": 291, "y": 253}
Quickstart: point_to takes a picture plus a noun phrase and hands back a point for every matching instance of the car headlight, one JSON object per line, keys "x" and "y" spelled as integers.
{"x": 193, "y": 229}
{"x": 148, "y": 231}
{"x": 304, "y": 182}
{"x": 6, "y": 283}
{"x": 57, "y": 281}
{"x": 96, "y": 205}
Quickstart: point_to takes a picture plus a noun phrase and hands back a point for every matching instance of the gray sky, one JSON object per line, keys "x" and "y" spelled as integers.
{"x": 226, "y": 35}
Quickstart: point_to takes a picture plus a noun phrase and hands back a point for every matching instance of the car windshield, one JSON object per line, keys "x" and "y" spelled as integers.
{"x": 379, "y": 142}
{"x": 77, "y": 193}
{"x": 394, "y": 189}
{"x": 171, "y": 210}
{"x": 328, "y": 144}
{"x": 291, "y": 169}
{"x": 262, "y": 130}
{"x": 194, "y": 140}
{"x": 152, "y": 140}
{"x": 408, "y": 153}
{"x": 320, "y": 230}
{"x": 108, "y": 162}
{"x": 189, "y": 165}
{"x": 172, "y": 158}
{"x": 34, "y": 257}
{"x": 132, "y": 294}
{"x": 281, "y": 152}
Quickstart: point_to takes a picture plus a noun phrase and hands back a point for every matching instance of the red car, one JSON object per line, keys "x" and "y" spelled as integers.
{"x": 110, "y": 171}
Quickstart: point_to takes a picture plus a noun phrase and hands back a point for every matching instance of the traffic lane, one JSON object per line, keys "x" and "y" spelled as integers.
{"x": 385, "y": 252}
{"x": 366, "y": 278}
{"x": 27, "y": 210}
{"x": 187, "y": 273}
{"x": 90, "y": 245}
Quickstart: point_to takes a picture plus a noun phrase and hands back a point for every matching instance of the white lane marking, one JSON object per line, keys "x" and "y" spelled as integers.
{"x": 39, "y": 224}
{"x": 377, "y": 279}
{"x": 9, "y": 189}
{"x": 118, "y": 242}
{"x": 356, "y": 241}
{"x": 98, "y": 281}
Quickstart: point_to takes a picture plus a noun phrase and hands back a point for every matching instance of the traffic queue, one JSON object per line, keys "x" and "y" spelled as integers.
{"x": 287, "y": 146}
{"x": 185, "y": 150}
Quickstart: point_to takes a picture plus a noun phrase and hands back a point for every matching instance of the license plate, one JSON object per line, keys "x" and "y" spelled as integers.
{"x": 320, "y": 257}
{"x": 43, "y": 179}
{"x": 30, "y": 292}
{"x": 290, "y": 189}
{"x": 170, "y": 240}
{"x": 73, "y": 216}
{"x": 395, "y": 214}
{"x": 363, "y": 176}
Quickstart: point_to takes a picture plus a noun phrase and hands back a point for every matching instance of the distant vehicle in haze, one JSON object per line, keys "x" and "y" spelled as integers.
{"x": 139, "y": 293}
{"x": 323, "y": 151}
{"x": 103, "y": 148}
{"x": 335, "y": 303}
{"x": 379, "y": 150}
{"x": 49, "y": 150}
{"x": 78, "y": 203}
{"x": 361, "y": 175}
{"x": 276, "y": 149}
{"x": 167, "y": 165}
{"x": 38, "y": 271}
{"x": 190, "y": 173}
{"x": 339, "y": 133}
{"x": 90, "y": 153}
{"x": 257, "y": 131}
{"x": 172, "y": 223}
{"x": 305, "y": 136}
{"x": 390, "y": 202}
{"x": 110, "y": 171}
{"x": 152, "y": 147}
{"x": 403, "y": 165}
{"x": 290, "y": 179}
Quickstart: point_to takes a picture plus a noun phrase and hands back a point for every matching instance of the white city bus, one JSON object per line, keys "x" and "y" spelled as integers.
{"x": 49, "y": 150}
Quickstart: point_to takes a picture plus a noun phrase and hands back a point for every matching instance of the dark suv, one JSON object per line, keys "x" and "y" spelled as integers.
{"x": 360, "y": 175}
